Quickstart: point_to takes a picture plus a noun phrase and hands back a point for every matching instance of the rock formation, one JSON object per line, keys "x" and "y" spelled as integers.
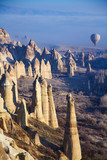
{"x": 62, "y": 156}
{"x": 48, "y": 74}
{"x": 52, "y": 112}
{"x": 11, "y": 150}
{"x": 37, "y": 139}
{"x": 12, "y": 75}
{"x": 43, "y": 69}
{"x": 70, "y": 70}
{"x": 56, "y": 61}
{"x": 71, "y": 144}
{"x": 30, "y": 70}
{"x": 20, "y": 69}
{"x": 22, "y": 117}
{"x": 81, "y": 59}
{"x": 8, "y": 93}
{"x": 36, "y": 67}
{"x": 4, "y": 36}
{"x": 88, "y": 68}
{"x": 36, "y": 100}
{"x": 44, "y": 98}
{"x": 32, "y": 51}
{"x": 1, "y": 68}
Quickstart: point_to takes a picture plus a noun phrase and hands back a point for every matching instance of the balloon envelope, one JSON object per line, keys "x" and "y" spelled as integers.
{"x": 95, "y": 38}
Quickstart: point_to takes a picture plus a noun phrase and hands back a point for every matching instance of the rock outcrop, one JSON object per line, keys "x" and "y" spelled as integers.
{"x": 30, "y": 70}
{"x": 71, "y": 144}
{"x": 53, "y": 121}
{"x": 8, "y": 93}
{"x": 37, "y": 140}
{"x": 10, "y": 151}
{"x": 22, "y": 117}
{"x": 81, "y": 59}
{"x": 1, "y": 68}
{"x": 20, "y": 69}
{"x": 44, "y": 98}
{"x": 62, "y": 156}
{"x": 36, "y": 68}
{"x": 4, "y": 36}
{"x": 56, "y": 61}
{"x": 36, "y": 100}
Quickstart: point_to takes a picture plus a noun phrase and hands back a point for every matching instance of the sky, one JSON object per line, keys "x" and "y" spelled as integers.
{"x": 55, "y": 22}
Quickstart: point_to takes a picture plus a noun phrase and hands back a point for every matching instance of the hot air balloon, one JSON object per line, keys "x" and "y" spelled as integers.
{"x": 95, "y": 38}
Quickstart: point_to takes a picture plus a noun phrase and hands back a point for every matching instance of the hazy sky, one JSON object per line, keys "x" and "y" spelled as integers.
{"x": 57, "y": 22}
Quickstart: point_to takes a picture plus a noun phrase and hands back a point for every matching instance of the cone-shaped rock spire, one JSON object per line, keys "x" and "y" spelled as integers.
{"x": 52, "y": 111}
{"x": 71, "y": 145}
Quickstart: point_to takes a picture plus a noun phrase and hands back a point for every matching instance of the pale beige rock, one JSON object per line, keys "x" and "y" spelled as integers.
{"x": 36, "y": 100}
{"x": 48, "y": 71}
{"x": 71, "y": 71}
{"x": 30, "y": 70}
{"x": 71, "y": 144}
{"x": 8, "y": 93}
{"x": 37, "y": 139}
{"x": 20, "y": 69}
{"x": 36, "y": 67}
{"x": 43, "y": 69}
{"x": 44, "y": 98}
{"x": 1, "y": 131}
{"x": 52, "y": 112}
{"x": 62, "y": 156}
{"x": 81, "y": 59}
{"x": 22, "y": 117}
{"x": 12, "y": 74}
{"x": 4, "y": 36}
{"x": 1, "y": 68}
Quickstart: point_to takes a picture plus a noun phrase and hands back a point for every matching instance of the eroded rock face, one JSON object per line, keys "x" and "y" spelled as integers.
{"x": 44, "y": 98}
{"x": 4, "y": 36}
{"x": 71, "y": 144}
{"x": 20, "y": 69}
{"x": 30, "y": 70}
{"x": 8, "y": 93}
{"x": 53, "y": 121}
{"x": 81, "y": 59}
{"x": 22, "y": 117}
{"x": 36, "y": 100}
{"x": 36, "y": 67}
{"x": 37, "y": 139}
{"x": 55, "y": 61}
{"x": 32, "y": 51}
{"x": 10, "y": 151}
{"x": 62, "y": 156}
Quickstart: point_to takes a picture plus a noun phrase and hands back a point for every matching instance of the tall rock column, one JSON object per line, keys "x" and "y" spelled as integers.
{"x": 36, "y": 100}
{"x": 44, "y": 98}
{"x": 52, "y": 111}
{"x": 71, "y": 144}
{"x": 30, "y": 70}
{"x": 8, "y": 94}
{"x": 22, "y": 117}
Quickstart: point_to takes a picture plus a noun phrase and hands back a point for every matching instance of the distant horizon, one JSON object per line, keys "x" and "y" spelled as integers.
{"x": 62, "y": 23}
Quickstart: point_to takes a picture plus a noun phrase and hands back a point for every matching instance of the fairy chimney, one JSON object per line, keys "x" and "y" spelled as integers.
{"x": 81, "y": 59}
{"x": 44, "y": 98}
{"x": 22, "y": 117}
{"x": 36, "y": 100}
{"x": 36, "y": 67}
{"x": 48, "y": 71}
{"x": 37, "y": 139}
{"x": 20, "y": 69}
{"x": 30, "y": 70}
{"x": 71, "y": 71}
{"x": 8, "y": 93}
{"x": 52, "y": 112}
{"x": 43, "y": 69}
{"x": 12, "y": 74}
{"x": 71, "y": 144}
